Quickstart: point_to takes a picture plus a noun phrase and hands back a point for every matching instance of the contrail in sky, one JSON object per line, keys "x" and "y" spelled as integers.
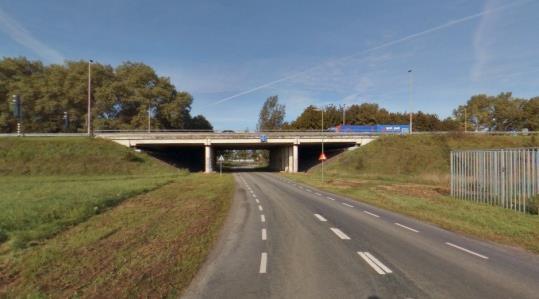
{"x": 382, "y": 46}
{"x": 21, "y": 35}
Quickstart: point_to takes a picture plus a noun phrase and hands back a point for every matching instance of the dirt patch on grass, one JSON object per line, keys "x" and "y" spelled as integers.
{"x": 346, "y": 183}
{"x": 149, "y": 246}
{"x": 422, "y": 191}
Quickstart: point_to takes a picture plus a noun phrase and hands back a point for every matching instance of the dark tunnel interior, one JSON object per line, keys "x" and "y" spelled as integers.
{"x": 191, "y": 157}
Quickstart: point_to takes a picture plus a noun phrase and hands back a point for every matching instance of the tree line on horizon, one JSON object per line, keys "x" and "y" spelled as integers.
{"x": 121, "y": 97}
{"x": 481, "y": 112}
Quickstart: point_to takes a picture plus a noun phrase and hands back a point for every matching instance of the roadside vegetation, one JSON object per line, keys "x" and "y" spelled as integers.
{"x": 49, "y": 184}
{"x": 410, "y": 175}
{"x": 150, "y": 245}
{"x": 88, "y": 218}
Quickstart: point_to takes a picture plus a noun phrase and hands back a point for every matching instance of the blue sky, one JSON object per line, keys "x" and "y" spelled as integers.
{"x": 232, "y": 55}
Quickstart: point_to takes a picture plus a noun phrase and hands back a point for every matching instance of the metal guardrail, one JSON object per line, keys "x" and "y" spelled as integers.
{"x": 505, "y": 177}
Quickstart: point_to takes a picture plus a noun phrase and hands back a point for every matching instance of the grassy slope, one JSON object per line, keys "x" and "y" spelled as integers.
{"x": 415, "y": 158}
{"x": 49, "y": 184}
{"x": 409, "y": 174}
{"x": 148, "y": 246}
{"x": 73, "y": 156}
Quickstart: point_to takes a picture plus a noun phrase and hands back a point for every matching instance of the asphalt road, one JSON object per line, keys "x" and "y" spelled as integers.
{"x": 287, "y": 240}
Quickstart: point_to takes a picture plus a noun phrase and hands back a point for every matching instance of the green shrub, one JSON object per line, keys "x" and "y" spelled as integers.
{"x": 3, "y": 236}
{"x": 533, "y": 205}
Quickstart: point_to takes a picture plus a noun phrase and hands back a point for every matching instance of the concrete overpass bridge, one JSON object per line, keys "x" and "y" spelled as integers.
{"x": 289, "y": 151}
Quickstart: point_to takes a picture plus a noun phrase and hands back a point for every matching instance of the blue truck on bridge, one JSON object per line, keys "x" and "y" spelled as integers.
{"x": 388, "y": 129}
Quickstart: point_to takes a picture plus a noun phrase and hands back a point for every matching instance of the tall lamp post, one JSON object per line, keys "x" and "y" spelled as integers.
{"x": 149, "y": 117}
{"x": 89, "y": 120}
{"x": 410, "y": 86}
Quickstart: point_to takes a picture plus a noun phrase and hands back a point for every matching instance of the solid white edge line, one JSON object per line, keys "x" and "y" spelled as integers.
{"x": 339, "y": 233}
{"x": 371, "y": 263}
{"x": 406, "y": 227}
{"x": 260, "y": 208}
{"x": 467, "y": 250}
{"x": 330, "y": 198}
{"x": 263, "y": 263}
{"x": 345, "y": 204}
{"x": 377, "y": 262}
{"x": 264, "y": 234}
{"x": 372, "y": 214}
{"x": 262, "y": 218}
{"x": 320, "y": 217}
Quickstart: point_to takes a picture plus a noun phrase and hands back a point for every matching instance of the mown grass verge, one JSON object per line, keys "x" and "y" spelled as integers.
{"x": 150, "y": 245}
{"x": 33, "y": 208}
{"x": 51, "y": 183}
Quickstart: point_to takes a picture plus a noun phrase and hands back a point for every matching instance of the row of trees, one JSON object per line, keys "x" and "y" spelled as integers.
{"x": 121, "y": 97}
{"x": 481, "y": 112}
{"x": 499, "y": 113}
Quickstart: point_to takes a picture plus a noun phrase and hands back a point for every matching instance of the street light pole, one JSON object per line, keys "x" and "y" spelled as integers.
{"x": 410, "y": 86}
{"x": 89, "y": 120}
{"x": 323, "y": 144}
{"x": 149, "y": 117}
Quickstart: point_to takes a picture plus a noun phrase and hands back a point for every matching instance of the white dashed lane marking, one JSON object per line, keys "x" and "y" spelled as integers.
{"x": 406, "y": 227}
{"x": 467, "y": 250}
{"x": 374, "y": 263}
{"x": 339, "y": 233}
{"x": 372, "y": 214}
{"x": 320, "y": 217}
{"x": 345, "y": 204}
{"x": 263, "y": 263}
{"x": 264, "y": 234}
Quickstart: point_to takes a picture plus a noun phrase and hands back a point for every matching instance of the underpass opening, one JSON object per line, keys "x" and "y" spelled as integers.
{"x": 248, "y": 157}
{"x": 190, "y": 157}
{"x": 241, "y": 160}
{"x": 286, "y": 157}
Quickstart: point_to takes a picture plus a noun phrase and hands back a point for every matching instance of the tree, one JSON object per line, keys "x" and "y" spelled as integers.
{"x": 271, "y": 115}
{"x": 531, "y": 114}
{"x": 199, "y": 122}
{"x": 309, "y": 119}
{"x": 121, "y": 97}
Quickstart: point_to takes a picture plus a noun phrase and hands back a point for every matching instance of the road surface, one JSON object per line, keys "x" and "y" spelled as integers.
{"x": 287, "y": 240}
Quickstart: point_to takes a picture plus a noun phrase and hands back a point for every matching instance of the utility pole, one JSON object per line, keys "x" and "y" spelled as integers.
{"x": 89, "y": 120}
{"x": 410, "y": 86}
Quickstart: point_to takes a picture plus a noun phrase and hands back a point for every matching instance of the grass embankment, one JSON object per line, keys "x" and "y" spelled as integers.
{"x": 410, "y": 175}
{"x": 49, "y": 184}
{"x": 148, "y": 246}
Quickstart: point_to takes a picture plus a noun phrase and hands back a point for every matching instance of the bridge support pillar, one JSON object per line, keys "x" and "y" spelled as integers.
{"x": 208, "y": 158}
{"x": 295, "y": 158}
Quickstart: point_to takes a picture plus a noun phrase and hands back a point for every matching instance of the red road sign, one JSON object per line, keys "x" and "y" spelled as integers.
{"x": 322, "y": 157}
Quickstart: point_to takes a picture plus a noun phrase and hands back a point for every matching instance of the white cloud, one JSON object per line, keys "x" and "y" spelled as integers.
{"x": 22, "y": 36}
{"x": 482, "y": 42}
